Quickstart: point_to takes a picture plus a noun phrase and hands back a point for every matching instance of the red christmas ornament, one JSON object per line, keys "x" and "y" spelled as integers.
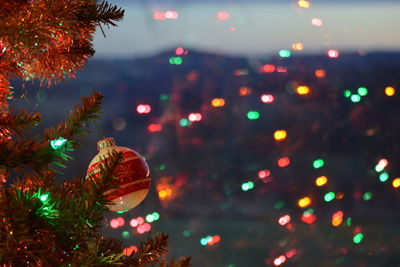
{"x": 133, "y": 174}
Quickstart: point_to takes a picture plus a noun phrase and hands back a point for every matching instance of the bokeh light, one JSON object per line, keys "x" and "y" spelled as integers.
{"x": 304, "y": 202}
{"x": 283, "y": 162}
{"x": 303, "y": 3}
{"x": 223, "y": 15}
{"x": 266, "y": 98}
{"x": 318, "y": 163}
{"x": 362, "y": 91}
{"x": 143, "y": 109}
{"x": 268, "y": 68}
{"x": 337, "y": 218}
{"x": 396, "y": 183}
{"x": 284, "y": 220}
{"x": 253, "y": 115}
{"x": 321, "y": 181}
{"x": 390, "y": 91}
{"x": 383, "y": 177}
{"x": 317, "y": 22}
{"x": 303, "y": 90}
{"x": 284, "y": 53}
{"x": 244, "y": 91}
{"x": 333, "y": 53}
{"x": 195, "y": 117}
{"x": 218, "y": 102}
{"x": 320, "y": 73}
{"x": 297, "y": 46}
{"x": 328, "y": 197}
{"x": 358, "y": 238}
{"x": 280, "y": 135}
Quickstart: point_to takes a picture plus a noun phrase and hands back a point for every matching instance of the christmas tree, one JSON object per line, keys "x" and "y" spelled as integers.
{"x": 45, "y": 222}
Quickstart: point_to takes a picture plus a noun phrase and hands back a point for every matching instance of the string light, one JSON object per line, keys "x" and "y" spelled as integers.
{"x": 244, "y": 91}
{"x": 268, "y": 68}
{"x": 263, "y": 174}
{"x": 308, "y": 216}
{"x": 367, "y": 196}
{"x": 320, "y": 73}
{"x": 280, "y": 135}
{"x": 303, "y": 90}
{"x": 284, "y": 53}
{"x": 143, "y": 109}
{"x": 218, "y": 102}
{"x": 318, "y": 163}
{"x": 383, "y": 177}
{"x": 58, "y": 143}
{"x": 358, "y": 238}
{"x": 337, "y": 218}
{"x": 247, "y": 186}
{"x": 184, "y": 122}
{"x": 347, "y": 93}
{"x": 317, "y": 22}
{"x": 283, "y": 162}
{"x": 154, "y": 127}
{"x": 333, "y": 53}
{"x": 328, "y": 197}
{"x": 362, "y": 91}
{"x": 390, "y": 91}
{"x": 396, "y": 183}
{"x": 321, "y": 181}
{"x": 304, "y": 202}
{"x": 253, "y": 115}
{"x": 265, "y": 98}
{"x": 297, "y": 46}
{"x": 222, "y": 15}
{"x": 303, "y": 4}
{"x": 195, "y": 117}
{"x": 279, "y": 260}
{"x": 175, "y": 60}
{"x": 284, "y": 220}
{"x": 355, "y": 98}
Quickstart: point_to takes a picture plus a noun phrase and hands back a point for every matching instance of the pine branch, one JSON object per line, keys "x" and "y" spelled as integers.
{"x": 103, "y": 13}
{"x": 16, "y": 153}
{"x": 18, "y": 121}
{"x": 151, "y": 251}
{"x": 81, "y": 113}
{"x": 40, "y": 155}
{"x": 50, "y": 40}
{"x": 107, "y": 14}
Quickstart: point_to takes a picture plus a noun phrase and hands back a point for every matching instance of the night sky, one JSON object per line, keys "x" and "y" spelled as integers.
{"x": 253, "y": 27}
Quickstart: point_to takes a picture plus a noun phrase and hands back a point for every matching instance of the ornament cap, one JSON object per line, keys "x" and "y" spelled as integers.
{"x": 106, "y": 142}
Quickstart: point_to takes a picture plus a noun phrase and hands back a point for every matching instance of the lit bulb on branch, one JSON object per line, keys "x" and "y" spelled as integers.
{"x": 133, "y": 175}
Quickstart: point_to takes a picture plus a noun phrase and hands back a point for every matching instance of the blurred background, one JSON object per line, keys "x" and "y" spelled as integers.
{"x": 270, "y": 127}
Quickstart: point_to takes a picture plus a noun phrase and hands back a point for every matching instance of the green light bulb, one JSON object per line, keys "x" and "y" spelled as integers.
{"x": 203, "y": 241}
{"x": 44, "y": 197}
{"x": 125, "y": 234}
{"x": 328, "y": 197}
{"x": 355, "y": 98}
{"x": 284, "y": 53}
{"x": 358, "y": 238}
{"x": 156, "y": 216}
{"x": 149, "y": 218}
{"x": 379, "y": 168}
{"x": 367, "y": 196}
{"x": 245, "y": 187}
{"x": 57, "y": 143}
{"x": 184, "y": 122}
{"x": 384, "y": 177}
{"x": 253, "y": 115}
{"x": 318, "y": 163}
{"x": 362, "y": 91}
